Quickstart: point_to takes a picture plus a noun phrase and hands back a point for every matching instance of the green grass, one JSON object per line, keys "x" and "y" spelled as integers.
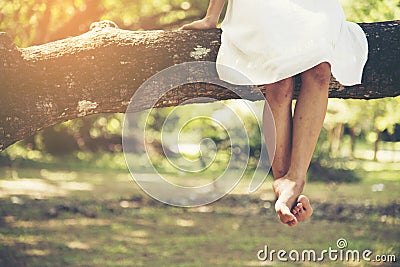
{"x": 84, "y": 217}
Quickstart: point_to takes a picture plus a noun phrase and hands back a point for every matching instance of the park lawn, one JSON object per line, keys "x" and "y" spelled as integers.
{"x": 54, "y": 217}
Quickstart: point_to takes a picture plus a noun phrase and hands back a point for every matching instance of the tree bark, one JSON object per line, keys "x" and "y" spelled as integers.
{"x": 99, "y": 71}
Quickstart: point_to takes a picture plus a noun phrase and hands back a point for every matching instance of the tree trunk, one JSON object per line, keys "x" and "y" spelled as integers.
{"x": 100, "y": 70}
{"x": 352, "y": 142}
{"x": 376, "y": 144}
{"x": 336, "y": 137}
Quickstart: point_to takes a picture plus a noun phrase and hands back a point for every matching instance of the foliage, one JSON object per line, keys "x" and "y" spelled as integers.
{"x": 371, "y": 10}
{"x": 37, "y": 21}
{"x": 361, "y": 119}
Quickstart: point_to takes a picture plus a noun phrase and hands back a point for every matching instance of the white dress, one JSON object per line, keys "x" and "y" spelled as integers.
{"x": 266, "y": 41}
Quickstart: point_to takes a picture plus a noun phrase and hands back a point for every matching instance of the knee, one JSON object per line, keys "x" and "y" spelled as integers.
{"x": 280, "y": 93}
{"x": 320, "y": 74}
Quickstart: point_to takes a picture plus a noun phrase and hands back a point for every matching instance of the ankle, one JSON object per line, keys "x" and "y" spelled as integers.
{"x": 287, "y": 182}
{"x": 298, "y": 177}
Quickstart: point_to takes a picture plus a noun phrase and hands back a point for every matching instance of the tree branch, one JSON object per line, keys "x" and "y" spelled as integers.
{"x": 100, "y": 70}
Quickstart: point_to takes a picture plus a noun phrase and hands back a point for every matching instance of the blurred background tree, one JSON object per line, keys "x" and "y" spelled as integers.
{"x": 349, "y": 124}
{"x": 32, "y": 22}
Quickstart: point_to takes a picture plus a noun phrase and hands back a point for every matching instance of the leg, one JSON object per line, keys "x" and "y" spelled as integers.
{"x": 309, "y": 117}
{"x": 307, "y": 123}
{"x": 279, "y": 96}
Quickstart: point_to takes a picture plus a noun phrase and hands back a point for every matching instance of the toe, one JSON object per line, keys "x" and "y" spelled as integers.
{"x": 298, "y": 208}
{"x": 285, "y": 218}
{"x": 306, "y": 203}
{"x": 284, "y": 214}
{"x": 306, "y": 210}
{"x": 295, "y": 210}
{"x": 292, "y": 223}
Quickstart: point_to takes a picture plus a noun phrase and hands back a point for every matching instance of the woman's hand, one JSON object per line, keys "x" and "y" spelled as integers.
{"x": 202, "y": 24}
{"x": 210, "y": 20}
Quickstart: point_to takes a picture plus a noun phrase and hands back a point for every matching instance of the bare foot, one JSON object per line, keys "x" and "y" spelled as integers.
{"x": 303, "y": 210}
{"x": 287, "y": 190}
